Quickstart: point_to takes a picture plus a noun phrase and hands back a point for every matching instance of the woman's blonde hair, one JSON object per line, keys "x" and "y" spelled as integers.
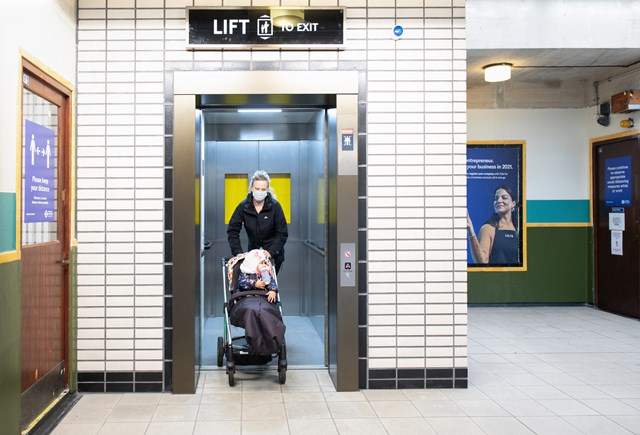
{"x": 261, "y": 175}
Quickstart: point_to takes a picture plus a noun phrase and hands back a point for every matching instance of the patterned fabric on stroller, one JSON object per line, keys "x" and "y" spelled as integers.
{"x": 262, "y": 322}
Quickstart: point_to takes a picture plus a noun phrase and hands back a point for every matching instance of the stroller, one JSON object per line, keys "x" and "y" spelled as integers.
{"x": 236, "y": 349}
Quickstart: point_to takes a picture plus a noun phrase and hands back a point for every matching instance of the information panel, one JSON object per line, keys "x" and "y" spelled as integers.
{"x": 39, "y": 173}
{"x": 266, "y": 28}
{"x": 495, "y": 196}
{"x": 617, "y": 181}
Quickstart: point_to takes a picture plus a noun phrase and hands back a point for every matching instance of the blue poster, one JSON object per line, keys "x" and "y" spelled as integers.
{"x": 39, "y": 164}
{"x": 494, "y": 192}
{"x": 617, "y": 181}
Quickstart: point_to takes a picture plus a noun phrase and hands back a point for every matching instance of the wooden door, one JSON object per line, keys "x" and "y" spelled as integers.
{"x": 617, "y": 225}
{"x": 45, "y": 240}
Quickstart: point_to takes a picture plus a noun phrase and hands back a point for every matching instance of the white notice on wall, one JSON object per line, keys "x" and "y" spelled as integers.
{"x": 616, "y": 221}
{"x": 616, "y": 242}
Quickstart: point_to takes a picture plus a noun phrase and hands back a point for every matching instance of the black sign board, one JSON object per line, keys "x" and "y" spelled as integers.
{"x": 265, "y": 28}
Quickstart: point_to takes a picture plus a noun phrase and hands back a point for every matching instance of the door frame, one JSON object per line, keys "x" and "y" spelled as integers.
{"x": 54, "y": 83}
{"x": 592, "y": 195}
{"x": 343, "y": 206}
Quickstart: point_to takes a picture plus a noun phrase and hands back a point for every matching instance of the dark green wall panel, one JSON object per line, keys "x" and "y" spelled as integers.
{"x": 10, "y": 347}
{"x": 73, "y": 319}
{"x": 560, "y": 270}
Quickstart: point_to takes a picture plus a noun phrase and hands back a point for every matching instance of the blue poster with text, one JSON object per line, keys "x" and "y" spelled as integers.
{"x": 617, "y": 181}
{"x": 494, "y": 171}
{"x": 39, "y": 164}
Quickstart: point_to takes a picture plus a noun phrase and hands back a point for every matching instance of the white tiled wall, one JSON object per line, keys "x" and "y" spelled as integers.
{"x": 416, "y": 165}
{"x": 120, "y": 186}
{"x": 416, "y": 151}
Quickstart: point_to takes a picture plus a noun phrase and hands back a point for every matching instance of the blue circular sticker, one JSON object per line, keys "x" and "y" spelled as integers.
{"x": 398, "y": 30}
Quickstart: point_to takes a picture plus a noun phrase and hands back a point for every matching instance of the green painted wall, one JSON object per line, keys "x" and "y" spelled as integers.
{"x": 10, "y": 347}
{"x": 7, "y": 222}
{"x": 555, "y": 211}
{"x": 560, "y": 269}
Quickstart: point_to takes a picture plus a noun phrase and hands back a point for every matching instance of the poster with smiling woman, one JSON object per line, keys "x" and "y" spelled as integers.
{"x": 496, "y": 231}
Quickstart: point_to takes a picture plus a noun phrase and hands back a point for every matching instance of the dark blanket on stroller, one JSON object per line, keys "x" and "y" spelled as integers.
{"x": 262, "y": 323}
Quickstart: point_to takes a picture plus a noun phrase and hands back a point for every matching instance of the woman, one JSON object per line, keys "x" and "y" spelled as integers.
{"x": 263, "y": 220}
{"x": 498, "y": 242}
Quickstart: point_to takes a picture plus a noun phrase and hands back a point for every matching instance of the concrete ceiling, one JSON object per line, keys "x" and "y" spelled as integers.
{"x": 551, "y": 78}
{"x": 541, "y": 78}
{"x": 547, "y": 65}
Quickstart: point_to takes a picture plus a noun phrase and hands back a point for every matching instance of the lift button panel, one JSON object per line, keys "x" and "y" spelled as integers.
{"x": 347, "y": 264}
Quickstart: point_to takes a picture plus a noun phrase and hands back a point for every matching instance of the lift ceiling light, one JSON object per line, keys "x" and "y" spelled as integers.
{"x": 286, "y": 17}
{"x": 259, "y": 110}
{"x": 497, "y": 72}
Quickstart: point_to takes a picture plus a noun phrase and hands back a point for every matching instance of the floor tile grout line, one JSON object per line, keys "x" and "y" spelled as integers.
{"x": 578, "y": 374}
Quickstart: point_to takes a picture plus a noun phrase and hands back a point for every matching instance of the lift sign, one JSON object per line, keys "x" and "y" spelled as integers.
{"x": 617, "y": 179}
{"x": 266, "y": 28}
{"x": 347, "y": 139}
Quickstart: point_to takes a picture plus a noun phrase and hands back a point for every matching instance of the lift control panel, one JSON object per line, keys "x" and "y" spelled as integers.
{"x": 347, "y": 264}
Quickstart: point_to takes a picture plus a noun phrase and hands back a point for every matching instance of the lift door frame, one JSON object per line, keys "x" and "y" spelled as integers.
{"x": 343, "y": 206}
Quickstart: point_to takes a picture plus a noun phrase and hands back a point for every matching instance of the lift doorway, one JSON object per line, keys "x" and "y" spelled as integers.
{"x": 290, "y": 144}
{"x": 285, "y": 89}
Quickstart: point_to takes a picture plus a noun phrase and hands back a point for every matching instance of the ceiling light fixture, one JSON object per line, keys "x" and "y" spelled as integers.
{"x": 287, "y": 17}
{"x": 259, "y": 110}
{"x": 497, "y": 72}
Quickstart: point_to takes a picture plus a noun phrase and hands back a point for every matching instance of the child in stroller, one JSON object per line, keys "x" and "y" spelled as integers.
{"x": 260, "y": 278}
{"x": 260, "y": 319}
{"x": 253, "y": 305}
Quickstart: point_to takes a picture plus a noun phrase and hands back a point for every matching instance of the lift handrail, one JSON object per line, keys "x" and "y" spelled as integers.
{"x": 314, "y": 247}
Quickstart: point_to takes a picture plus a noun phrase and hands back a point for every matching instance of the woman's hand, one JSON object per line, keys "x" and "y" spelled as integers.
{"x": 470, "y": 230}
{"x": 271, "y": 296}
{"x": 480, "y": 249}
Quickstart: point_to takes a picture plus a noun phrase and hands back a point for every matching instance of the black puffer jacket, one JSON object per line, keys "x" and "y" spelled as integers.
{"x": 267, "y": 230}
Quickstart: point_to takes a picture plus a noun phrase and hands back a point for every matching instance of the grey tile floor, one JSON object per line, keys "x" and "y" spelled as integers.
{"x": 543, "y": 370}
{"x": 304, "y": 346}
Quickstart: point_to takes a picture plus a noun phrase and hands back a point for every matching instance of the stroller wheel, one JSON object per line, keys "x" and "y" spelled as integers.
{"x": 282, "y": 358}
{"x": 282, "y": 364}
{"x": 231, "y": 366}
{"x": 220, "y": 351}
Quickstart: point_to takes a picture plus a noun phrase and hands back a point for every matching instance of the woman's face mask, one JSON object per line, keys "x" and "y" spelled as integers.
{"x": 259, "y": 188}
{"x": 259, "y": 195}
